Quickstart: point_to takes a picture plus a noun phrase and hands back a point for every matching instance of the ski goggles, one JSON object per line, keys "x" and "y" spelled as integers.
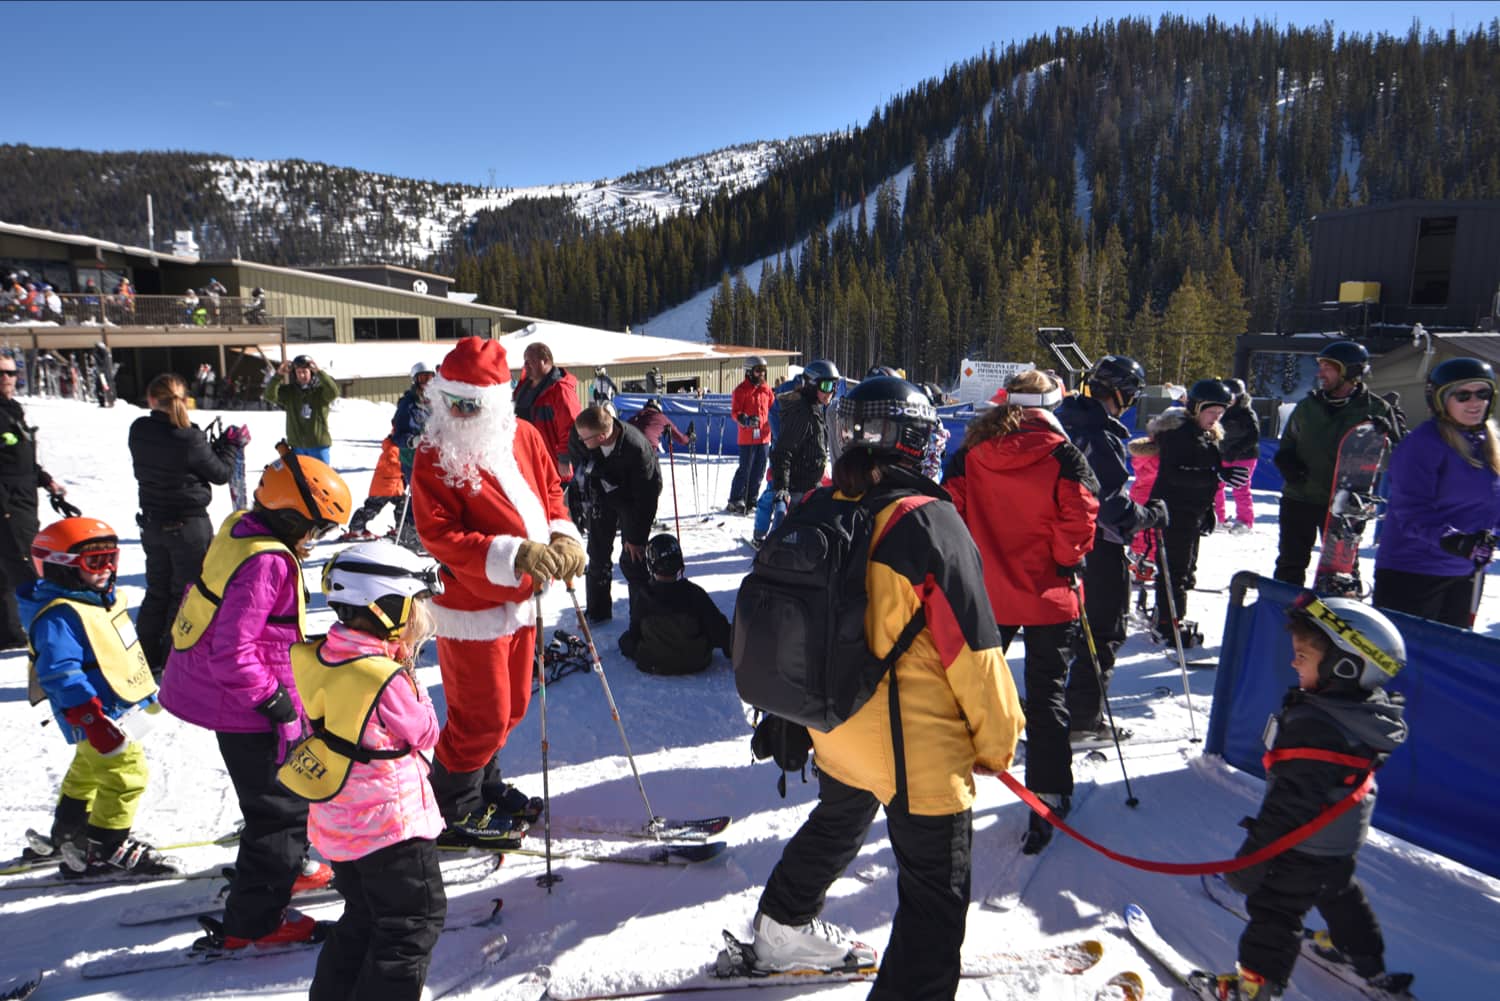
{"x": 463, "y": 404}
{"x": 428, "y": 577}
{"x": 827, "y": 385}
{"x": 1465, "y": 395}
{"x": 93, "y": 561}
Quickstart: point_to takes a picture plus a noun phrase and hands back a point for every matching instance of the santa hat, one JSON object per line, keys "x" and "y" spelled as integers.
{"x": 475, "y": 364}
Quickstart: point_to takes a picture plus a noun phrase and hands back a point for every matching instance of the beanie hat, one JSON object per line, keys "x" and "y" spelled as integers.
{"x": 476, "y": 364}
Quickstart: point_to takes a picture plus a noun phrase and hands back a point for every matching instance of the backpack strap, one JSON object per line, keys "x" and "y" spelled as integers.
{"x": 903, "y": 642}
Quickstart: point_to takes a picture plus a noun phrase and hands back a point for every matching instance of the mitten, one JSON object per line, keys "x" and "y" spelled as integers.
{"x": 537, "y": 560}
{"x": 1156, "y": 514}
{"x": 570, "y": 556}
{"x": 278, "y": 706}
{"x": 101, "y": 732}
{"x": 1476, "y": 546}
{"x": 1234, "y": 476}
{"x": 239, "y": 437}
{"x": 1070, "y": 572}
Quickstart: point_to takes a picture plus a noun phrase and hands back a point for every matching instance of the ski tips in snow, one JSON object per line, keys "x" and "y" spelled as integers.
{"x": 22, "y": 986}
{"x": 1126, "y": 985}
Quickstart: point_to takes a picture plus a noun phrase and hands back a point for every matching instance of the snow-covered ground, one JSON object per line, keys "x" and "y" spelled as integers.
{"x": 607, "y": 925}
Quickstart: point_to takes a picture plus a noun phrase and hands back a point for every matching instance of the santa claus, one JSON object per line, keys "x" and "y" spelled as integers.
{"x": 488, "y": 505}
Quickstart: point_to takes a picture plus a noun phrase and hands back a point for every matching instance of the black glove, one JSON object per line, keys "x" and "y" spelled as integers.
{"x": 1234, "y": 476}
{"x": 691, "y": 433}
{"x": 278, "y": 708}
{"x": 62, "y": 507}
{"x": 1070, "y": 573}
{"x": 1385, "y": 427}
{"x": 1292, "y": 469}
{"x": 1156, "y": 514}
{"x": 1476, "y": 546}
{"x": 1208, "y": 522}
{"x": 749, "y": 421}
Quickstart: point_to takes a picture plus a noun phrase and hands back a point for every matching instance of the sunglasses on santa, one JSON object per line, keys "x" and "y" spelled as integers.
{"x": 463, "y": 404}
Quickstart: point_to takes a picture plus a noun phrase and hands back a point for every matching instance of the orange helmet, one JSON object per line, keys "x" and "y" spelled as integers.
{"x": 66, "y": 545}
{"x": 302, "y": 485}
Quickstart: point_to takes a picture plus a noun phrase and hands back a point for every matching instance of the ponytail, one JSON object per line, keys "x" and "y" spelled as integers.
{"x": 168, "y": 393}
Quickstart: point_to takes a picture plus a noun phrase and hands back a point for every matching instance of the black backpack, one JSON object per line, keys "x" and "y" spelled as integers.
{"x": 799, "y": 618}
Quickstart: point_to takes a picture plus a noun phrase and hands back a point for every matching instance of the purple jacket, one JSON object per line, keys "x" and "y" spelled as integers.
{"x": 242, "y": 656}
{"x": 1433, "y": 490}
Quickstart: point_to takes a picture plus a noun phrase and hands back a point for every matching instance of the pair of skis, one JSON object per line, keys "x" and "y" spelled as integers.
{"x": 1202, "y": 982}
{"x": 664, "y": 841}
{"x": 735, "y": 969}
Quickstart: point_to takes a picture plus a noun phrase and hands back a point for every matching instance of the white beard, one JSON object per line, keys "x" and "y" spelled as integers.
{"x": 468, "y": 446}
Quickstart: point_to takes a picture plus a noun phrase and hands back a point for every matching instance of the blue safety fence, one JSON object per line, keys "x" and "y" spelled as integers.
{"x": 1437, "y": 790}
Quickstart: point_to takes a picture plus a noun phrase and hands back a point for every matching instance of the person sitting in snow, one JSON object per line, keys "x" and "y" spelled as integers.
{"x": 87, "y": 661}
{"x": 1343, "y": 653}
{"x": 674, "y": 625}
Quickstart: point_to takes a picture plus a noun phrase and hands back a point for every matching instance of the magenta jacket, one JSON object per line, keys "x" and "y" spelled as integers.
{"x": 242, "y": 656}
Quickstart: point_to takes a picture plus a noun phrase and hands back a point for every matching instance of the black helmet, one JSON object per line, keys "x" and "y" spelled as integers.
{"x": 1208, "y": 393}
{"x": 1453, "y": 372}
{"x": 1116, "y": 375}
{"x": 817, "y": 371}
{"x": 257, "y": 291}
{"x": 1351, "y": 358}
{"x": 887, "y": 415}
{"x": 652, "y": 403}
{"x": 1235, "y": 386}
{"x": 302, "y": 361}
{"x": 664, "y": 555}
{"x": 882, "y": 371}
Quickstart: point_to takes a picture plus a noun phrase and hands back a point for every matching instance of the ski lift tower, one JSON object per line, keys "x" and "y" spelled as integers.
{"x": 1071, "y": 361}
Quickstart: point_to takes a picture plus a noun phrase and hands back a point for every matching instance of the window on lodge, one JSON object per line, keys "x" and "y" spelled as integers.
{"x": 386, "y": 328}
{"x": 309, "y": 328}
{"x": 452, "y": 328}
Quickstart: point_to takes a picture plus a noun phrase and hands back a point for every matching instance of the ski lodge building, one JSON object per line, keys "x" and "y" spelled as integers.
{"x": 365, "y": 325}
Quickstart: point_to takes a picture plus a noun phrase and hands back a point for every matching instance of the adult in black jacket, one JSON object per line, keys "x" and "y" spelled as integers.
{"x": 624, "y": 484}
{"x": 20, "y": 478}
{"x": 799, "y": 453}
{"x": 175, "y": 468}
{"x": 1092, "y": 421}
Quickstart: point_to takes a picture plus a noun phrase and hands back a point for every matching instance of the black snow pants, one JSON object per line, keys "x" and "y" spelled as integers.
{"x": 394, "y": 908}
{"x": 1296, "y": 883}
{"x": 1049, "y": 755}
{"x": 1106, "y": 599}
{"x": 174, "y": 558}
{"x": 921, "y": 960}
{"x": 274, "y": 841}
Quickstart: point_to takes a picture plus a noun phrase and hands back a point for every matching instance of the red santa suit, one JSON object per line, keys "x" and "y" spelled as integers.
{"x": 480, "y": 485}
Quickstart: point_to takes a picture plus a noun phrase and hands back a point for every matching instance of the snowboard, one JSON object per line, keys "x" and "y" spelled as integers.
{"x": 1361, "y": 459}
{"x": 1225, "y": 896}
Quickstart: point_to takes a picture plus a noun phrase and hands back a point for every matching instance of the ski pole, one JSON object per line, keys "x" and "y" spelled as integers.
{"x": 1088, "y": 640}
{"x": 693, "y": 466}
{"x": 549, "y": 877}
{"x": 1165, "y": 580}
{"x": 723, "y": 428}
{"x": 405, "y": 507}
{"x": 672, "y": 465}
{"x": 614, "y": 710}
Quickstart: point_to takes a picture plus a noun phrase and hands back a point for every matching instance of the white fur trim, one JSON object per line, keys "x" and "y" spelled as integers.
{"x": 564, "y": 526}
{"x": 485, "y": 624}
{"x": 519, "y": 492}
{"x": 500, "y": 561}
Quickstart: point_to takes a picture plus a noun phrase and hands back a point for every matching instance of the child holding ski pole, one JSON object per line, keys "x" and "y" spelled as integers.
{"x": 1335, "y": 728}
{"x": 94, "y": 678}
{"x": 372, "y": 814}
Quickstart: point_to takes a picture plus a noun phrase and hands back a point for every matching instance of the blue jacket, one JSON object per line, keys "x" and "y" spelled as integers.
{"x": 411, "y": 417}
{"x": 1433, "y": 490}
{"x": 65, "y": 666}
{"x": 1101, "y": 438}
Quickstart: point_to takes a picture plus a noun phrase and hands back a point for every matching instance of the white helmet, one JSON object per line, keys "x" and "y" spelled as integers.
{"x": 378, "y": 580}
{"x": 421, "y": 367}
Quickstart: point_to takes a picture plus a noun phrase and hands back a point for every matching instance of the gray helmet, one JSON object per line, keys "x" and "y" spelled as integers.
{"x": 754, "y": 362}
{"x": 420, "y": 368}
{"x": 1367, "y": 651}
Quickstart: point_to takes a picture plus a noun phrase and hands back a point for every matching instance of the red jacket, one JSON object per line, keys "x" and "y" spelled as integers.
{"x": 551, "y": 408}
{"x": 753, "y": 401}
{"x": 1029, "y": 501}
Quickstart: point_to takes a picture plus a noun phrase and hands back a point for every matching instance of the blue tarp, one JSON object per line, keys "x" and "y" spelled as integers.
{"x": 1438, "y": 789}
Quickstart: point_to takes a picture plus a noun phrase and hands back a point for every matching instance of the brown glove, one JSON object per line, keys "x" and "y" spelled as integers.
{"x": 570, "y": 556}
{"x": 537, "y": 560}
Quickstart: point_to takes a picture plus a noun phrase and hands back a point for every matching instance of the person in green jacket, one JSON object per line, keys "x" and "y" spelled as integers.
{"x": 1309, "y": 450}
{"x": 306, "y": 397}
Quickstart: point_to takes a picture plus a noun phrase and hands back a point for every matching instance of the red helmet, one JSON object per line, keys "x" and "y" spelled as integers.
{"x": 65, "y": 546}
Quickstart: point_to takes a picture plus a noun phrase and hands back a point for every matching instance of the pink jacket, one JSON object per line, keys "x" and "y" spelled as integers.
{"x": 388, "y": 800}
{"x": 242, "y": 657}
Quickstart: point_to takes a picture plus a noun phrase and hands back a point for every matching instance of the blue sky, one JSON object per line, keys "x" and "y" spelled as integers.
{"x": 523, "y": 93}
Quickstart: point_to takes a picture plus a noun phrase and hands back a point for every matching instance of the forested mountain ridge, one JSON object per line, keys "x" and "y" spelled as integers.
{"x": 1148, "y": 185}
{"x": 300, "y": 212}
